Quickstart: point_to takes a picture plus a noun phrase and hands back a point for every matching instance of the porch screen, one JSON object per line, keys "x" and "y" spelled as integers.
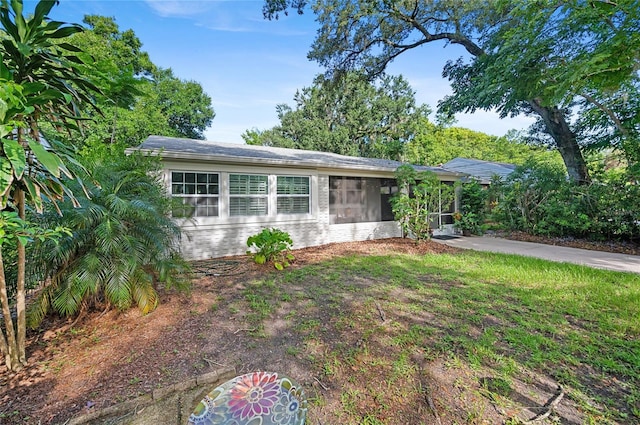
{"x": 248, "y": 195}
{"x": 293, "y": 195}
{"x": 360, "y": 199}
{"x": 447, "y": 210}
{"x": 198, "y": 194}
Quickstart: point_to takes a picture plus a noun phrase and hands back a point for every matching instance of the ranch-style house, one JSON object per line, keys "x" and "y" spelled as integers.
{"x": 229, "y": 192}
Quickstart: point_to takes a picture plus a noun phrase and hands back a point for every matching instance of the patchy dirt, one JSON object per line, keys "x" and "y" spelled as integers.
{"x": 106, "y": 358}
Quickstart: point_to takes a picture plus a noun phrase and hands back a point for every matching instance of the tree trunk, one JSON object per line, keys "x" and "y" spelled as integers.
{"x": 565, "y": 139}
{"x": 20, "y": 290}
{"x": 8, "y": 345}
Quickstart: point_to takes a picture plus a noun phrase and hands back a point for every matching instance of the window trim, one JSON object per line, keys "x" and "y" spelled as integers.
{"x": 279, "y": 196}
{"x": 224, "y": 171}
{"x": 265, "y": 196}
{"x": 196, "y": 196}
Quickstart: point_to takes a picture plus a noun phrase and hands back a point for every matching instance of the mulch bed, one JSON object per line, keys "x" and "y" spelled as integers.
{"x": 619, "y": 247}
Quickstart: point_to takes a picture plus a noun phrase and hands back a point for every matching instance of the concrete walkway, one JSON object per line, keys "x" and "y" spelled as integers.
{"x": 597, "y": 259}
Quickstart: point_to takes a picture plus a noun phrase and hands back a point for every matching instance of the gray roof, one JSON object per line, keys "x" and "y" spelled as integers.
{"x": 481, "y": 170}
{"x": 234, "y": 153}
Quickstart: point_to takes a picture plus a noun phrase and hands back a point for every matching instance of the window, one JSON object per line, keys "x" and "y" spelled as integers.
{"x": 388, "y": 189}
{"x": 198, "y": 194}
{"x": 293, "y": 195}
{"x": 248, "y": 195}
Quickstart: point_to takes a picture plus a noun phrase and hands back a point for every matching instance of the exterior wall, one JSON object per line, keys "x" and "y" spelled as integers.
{"x": 212, "y": 237}
{"x": 202, "y": 242}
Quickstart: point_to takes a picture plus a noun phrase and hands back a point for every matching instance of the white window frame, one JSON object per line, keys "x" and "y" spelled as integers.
{"x": 224, "y": 172}
{"x": 279, "y": 195}
{"x": 249, "y": 197}
{"x": 192, "y": 199}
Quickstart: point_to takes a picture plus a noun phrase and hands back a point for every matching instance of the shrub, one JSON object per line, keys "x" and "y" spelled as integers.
{"x": 123, "y": 244}
{"x": 539, "y": 199}
{"x": 271, "y": 245}
{"x": 421, "y": 196}
{"x": 473, "y": 208}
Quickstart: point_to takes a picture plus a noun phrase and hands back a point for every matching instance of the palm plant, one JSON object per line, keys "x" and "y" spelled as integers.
{"x": 48, "y": 77}
{"x": 122, "y": 240}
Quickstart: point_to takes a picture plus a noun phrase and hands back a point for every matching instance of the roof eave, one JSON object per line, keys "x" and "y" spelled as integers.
{"x": 223, "y": 159}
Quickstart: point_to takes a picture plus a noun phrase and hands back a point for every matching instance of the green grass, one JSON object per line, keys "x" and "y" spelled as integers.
{"x": 511, "y": 315}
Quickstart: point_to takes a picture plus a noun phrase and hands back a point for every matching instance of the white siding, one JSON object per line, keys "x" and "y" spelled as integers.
{"x": 211, "y": 237}
{"x": 219, "y": 241}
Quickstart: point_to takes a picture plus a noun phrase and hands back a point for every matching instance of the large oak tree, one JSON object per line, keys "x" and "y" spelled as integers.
{"x": 349, "y": 115}
{"x": 536, "y": 58}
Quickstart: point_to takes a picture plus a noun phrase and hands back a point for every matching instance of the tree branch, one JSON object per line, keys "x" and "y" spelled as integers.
{"x": 608, "y": 112}
{"x": 455, "y": 38}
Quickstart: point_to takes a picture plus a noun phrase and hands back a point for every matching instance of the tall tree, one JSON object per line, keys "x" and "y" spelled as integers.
{"x": 184, "y": 104}
{"x": 436, "y": 144}
{"x": 139, "y": 98}
{"x": 49, "y": 85}
{"x": 526, "y": 57}
{"x": 348, "y": 114}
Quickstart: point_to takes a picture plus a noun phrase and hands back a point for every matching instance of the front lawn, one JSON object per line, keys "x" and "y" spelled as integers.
{"x": 372, "y": 327}
{"x": 388, "y": 338}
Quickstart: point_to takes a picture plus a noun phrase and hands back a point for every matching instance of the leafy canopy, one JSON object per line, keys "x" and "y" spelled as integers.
{"x": 545, "y": 58}
{"x": 139, "y": 98}
{"x": 349, "y": 115}
{"x": 436, "y": 144}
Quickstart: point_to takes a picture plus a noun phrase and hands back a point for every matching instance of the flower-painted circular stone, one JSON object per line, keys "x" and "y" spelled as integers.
{"x": 258, "y": 398}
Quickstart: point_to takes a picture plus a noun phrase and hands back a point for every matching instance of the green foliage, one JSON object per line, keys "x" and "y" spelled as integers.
{"x": 473, "y": 207}
{"x": 435, "y": 144}
{"x": 421, "y": 196}
{"x": 47, "y": 79}
{"x": 42, "y": 176}
{"x": 271, "y": 245}
{"x": 556, "y": 61}
{"x": 123, "y": 242}
{"x": 14, "y": 229}
{"x": 138, "y": 97}
{"x": 539, "y": 199}
{"x": 348, "y": 115}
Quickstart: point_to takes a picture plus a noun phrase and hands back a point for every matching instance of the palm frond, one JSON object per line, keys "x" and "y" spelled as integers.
{"x": 143, "y": 292}
{"x": 69, "y": 296}
{"x": 122, "y": 241}
{"x": 39, "y": 307}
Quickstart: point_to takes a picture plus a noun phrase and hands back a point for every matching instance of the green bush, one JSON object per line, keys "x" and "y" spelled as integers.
{"x": 123, "y": 243}
{"x": 539, "y": 199}
{"x": 473, "y": 208}
{"x": 421, "y": 197}
{"x": 271, "y": 245}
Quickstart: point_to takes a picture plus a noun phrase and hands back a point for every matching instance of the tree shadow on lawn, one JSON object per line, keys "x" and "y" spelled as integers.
{"x": 383, "y": 324}
{"x": 387, "y": 339}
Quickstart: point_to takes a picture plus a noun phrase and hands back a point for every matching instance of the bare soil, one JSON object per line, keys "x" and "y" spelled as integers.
{"x": 108, "y": 357}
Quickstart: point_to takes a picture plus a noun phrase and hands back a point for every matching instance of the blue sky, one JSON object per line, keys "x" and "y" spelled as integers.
{"x": 248, "y": 65}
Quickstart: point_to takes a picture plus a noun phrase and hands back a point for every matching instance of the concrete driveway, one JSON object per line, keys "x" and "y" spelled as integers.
{"x": 597, "y": 259}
